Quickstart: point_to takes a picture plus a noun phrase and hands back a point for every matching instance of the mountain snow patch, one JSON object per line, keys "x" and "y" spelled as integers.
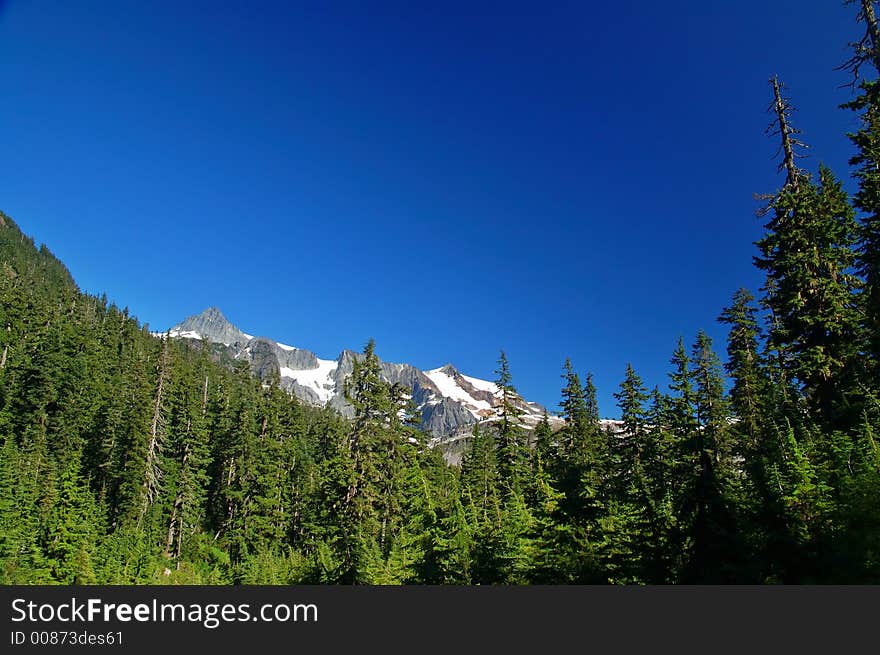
{"x": 450, "y": 389}
{"x": 320, "y": 380}
{"x": 189, "y": 334}
{"x": 483, "y": 385}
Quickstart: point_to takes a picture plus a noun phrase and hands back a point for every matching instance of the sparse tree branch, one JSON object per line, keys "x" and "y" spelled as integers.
{"x": 781, "y": 126}
{"x": 866, "y": 49}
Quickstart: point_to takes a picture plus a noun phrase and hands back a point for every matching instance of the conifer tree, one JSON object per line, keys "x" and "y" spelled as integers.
{"x": 753, "y": 437}
{"x": 592, "y": 402}
{"x": 810, "y": 291}
{"x": 575, "y": 489}
{"x": 552, "y": 559}
{"x": 454, "y": 545}
{"x": 626, "y": 447}
{"x": 152, "y": 476}
{"x": 545, "y": 450}
{"x": 479, "y": 472}
{"x": 867, "y": 197}
{"x": 745, "y": 365}
{"x": 575, "y": 413}
{"x": 628, "y": 513}
{"x": 72, "y": 530}
{"x": 653, "y": 476}
{"x": 712, "y": 526}
{"x": 682, "y": 425}
{"x": 512, "y": 451}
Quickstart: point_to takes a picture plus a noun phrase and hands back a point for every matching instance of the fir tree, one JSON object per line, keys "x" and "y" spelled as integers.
{"x": 512, "y": 451}
{"x": 867, "y": 197}
{"x": 745, "y": 366}
{"x": 810, "y": 291}
{"x": 575, "y": 413}
{"x": 712, "y": 528}
{"x": 545, "y": 447}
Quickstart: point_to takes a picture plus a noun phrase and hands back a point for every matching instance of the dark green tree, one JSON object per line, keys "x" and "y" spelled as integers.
{"x": 510, "y": 440}
{"x": 807, "y": 253}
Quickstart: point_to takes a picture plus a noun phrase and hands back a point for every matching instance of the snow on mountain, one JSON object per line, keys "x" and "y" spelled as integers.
{"x": 449, "y": 388}
{"x": 184, "y": 334}
{"x": 320, "y": 380}
{"x": 449, "y": 402}
{"x": 483, "y": 385}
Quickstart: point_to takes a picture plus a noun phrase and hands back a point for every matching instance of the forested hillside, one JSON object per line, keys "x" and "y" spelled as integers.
{"x": 130, "y": 458}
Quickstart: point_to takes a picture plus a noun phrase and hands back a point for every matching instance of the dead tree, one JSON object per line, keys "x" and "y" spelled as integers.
{"x": 781, "y": 126}
{"x": 866, "y": 49}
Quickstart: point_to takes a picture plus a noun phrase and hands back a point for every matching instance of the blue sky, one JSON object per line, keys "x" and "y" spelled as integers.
{"x": 563, "y": 179}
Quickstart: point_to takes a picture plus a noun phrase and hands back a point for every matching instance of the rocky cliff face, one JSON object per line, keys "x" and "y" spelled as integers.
{"x": 210, "y": 325}
{"x": 449, "y": 402}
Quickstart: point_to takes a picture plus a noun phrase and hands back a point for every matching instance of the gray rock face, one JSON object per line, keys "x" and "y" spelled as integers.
{"x": 213, "y": 326}
{"x": 303, "y": 393}
{"x": 319, "y": 382}
{"x": 297, "y": 359}
{"x": 263, "y": 358}
{"x": 400, "y": 373}
{"x": 445, "y": 417}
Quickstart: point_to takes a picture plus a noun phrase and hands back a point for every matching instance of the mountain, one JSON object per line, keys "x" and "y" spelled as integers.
{"x": 447, "y": 400}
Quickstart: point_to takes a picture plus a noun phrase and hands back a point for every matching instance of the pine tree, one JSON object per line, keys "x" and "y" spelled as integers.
{"x": 375, "y": 465}
{"x": 72, "y": 530}
{"x": 578, "y": 489}
{"x": 653, "y": 477}
{"x": 482, "y": 503}
{"x": 753, "y": 439}
{"x": 683, "y": 467}
{"x": 479, "y": 473}
{"x": 545, "y": 447}
{"x": 510, "y": 441}
{"x": 810, "y": 291}
{"x": 712, "y": 524}
{"x": 745, "y": 367}
{"x": 152, "y": 478}
{"x": 575, "y": 413}
{"x": 454, "y": 545}
{"x": 631, "y": 399}
{"x": 629, "y": 511}
{"x": 626, "y": 446}
{"x": 360, "y": 509}
{"x": 867, "y": 197}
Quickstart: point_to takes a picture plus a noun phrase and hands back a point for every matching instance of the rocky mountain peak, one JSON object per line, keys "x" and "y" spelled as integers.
{"x": 212, "y": 325}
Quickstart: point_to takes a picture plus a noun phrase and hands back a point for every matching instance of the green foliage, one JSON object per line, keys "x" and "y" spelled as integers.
{"x": 808, "y": 254}
{"x": 510, "y": 440}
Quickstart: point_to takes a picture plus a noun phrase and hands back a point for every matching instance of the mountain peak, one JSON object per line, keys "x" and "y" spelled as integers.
{"x": 213, "y": 312}
{"x": 212, "y": 325}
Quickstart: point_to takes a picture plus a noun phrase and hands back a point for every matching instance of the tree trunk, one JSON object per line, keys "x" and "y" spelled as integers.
{"x": 152, "y": 473}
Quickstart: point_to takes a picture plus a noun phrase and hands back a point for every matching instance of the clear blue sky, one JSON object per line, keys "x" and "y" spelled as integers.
{"x": 558, "y": 179}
